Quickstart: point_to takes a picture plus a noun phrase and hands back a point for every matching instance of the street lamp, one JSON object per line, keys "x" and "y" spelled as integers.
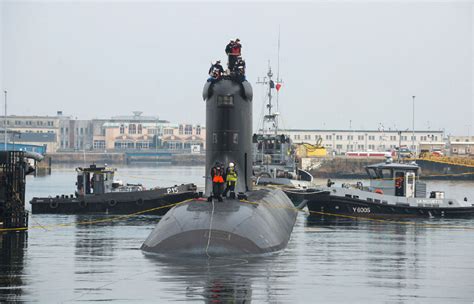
{"x": 413, "y": 127}
{"x": 5, "y": 122}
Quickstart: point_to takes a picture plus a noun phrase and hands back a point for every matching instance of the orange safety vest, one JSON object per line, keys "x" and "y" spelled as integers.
{"x": 217, "y": 176}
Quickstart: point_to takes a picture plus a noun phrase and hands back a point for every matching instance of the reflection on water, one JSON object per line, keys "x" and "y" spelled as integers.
{"x": 328, "y": 260}
{"x": 12, "y": 253}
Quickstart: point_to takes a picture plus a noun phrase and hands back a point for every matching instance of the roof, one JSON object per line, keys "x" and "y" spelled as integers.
{"x": 407, "y": 132}
{"x": 34, "y": 137}
{"x": 402, "y": 166}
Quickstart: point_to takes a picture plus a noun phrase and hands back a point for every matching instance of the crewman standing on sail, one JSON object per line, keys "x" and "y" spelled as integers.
{"x": 235, "y": 52}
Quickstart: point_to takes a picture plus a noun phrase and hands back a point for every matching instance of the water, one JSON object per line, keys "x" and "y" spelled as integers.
{"x": 331, "y": 261}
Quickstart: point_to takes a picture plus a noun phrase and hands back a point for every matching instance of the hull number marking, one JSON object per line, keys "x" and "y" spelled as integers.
{"x": 361, "y": 209}
{"x": 172, "y": 190}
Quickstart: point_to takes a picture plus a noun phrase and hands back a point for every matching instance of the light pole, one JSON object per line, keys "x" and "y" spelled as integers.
{"x": 413, "y": 127}
{"x": 5, "y": 122}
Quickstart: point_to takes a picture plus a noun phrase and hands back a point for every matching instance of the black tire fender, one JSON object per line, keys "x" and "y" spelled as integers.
{"x": 112, "y": 203}
{"x": 53, "y": 204}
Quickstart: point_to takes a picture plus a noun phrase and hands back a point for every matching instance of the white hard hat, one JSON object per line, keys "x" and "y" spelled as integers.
{"x": 231, "y": 164}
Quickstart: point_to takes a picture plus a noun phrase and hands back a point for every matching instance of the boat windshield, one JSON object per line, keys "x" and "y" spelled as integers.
{"x": 386, "y": 173}
{"x": 372, "y": 173}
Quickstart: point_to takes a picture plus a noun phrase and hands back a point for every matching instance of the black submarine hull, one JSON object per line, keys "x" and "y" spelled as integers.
{"x": 260, "y": 224}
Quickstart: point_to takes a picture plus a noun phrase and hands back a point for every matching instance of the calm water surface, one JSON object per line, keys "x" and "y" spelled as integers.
{"x": 327, "y": 261}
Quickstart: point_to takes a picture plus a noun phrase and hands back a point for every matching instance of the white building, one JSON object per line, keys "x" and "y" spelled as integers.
{"x": 341, "y": 141}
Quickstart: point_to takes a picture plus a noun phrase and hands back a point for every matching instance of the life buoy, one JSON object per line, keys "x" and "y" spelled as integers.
{"x": 112, "y": 203}
{"x": 139, "y": 202}
{"x": 379, "y": 191}
{"x": 53, "y": 204}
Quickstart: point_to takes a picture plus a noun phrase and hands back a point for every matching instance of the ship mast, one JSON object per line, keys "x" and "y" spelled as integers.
{"x": 272, "y": 117}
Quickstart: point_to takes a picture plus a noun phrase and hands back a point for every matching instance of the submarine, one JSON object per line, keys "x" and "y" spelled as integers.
{"x": 255, "y": 221}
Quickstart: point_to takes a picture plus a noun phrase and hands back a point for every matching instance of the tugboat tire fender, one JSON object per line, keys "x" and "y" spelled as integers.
{"x": 139, "y": 202}
{"x": 83, "y": 204}
{"x": 53, "y": 204}
{"x": 112, "y": 203}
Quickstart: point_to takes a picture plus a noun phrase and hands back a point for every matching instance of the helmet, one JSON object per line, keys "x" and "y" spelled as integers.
{"x": 231, "y": 165}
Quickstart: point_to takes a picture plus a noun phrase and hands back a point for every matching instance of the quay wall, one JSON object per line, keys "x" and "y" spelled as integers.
{"x": 345, "y": 167}
{"x": 123, "y": 158}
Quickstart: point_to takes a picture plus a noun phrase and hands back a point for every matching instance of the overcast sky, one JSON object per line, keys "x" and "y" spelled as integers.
{"x": 341, "y": 61}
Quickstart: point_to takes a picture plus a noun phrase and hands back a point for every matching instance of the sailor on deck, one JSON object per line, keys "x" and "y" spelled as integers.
{"x": 217, "y": 176}
{"x": 231, "y": 180}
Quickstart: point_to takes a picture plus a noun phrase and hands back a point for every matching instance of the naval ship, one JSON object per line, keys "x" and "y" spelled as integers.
{"x": 274, "y": 161}
{"x": 256, "y": 221}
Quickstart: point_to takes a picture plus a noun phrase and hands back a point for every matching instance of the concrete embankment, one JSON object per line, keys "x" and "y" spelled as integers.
{"x": 341, "y": 167}
{"x": 124, "y": 158}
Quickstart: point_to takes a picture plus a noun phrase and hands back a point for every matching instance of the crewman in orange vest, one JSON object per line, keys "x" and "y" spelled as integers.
{"x": 217, "y": 175}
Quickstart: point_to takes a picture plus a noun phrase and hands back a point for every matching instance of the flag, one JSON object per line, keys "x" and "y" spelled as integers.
{"x": 278, "y": 86}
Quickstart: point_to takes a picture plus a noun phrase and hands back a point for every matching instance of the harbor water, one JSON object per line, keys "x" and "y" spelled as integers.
{"x": 69, "y": 258}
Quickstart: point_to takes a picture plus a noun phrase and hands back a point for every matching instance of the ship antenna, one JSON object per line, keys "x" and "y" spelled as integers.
{"x": 278, "y": 69}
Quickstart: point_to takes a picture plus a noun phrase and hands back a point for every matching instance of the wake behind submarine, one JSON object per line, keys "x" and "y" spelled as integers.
{"x": 257, "y": 221}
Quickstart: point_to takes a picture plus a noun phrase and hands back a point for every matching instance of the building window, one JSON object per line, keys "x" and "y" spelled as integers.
{"x": 339, "y": 147}
{"x": 82, "y": 131}
{"x": 393, "y": 138}
{"x": 413, "y": 138}
{"x": 339, "y": 137}
{"x": 168, "y": 131}
{"x": 307, "y": 137}
{"x": 139, "y": 129}
{"x": 122, "y": 129}
{"x": 361, "y": 147}
{"x": 132, "y": 129}
{"x": 297, "y": 136}
{"x": 50, "y": 123}
{"x": 328, "y": 136}
{"x": 350, "y": 137}
{"x": 188, "y": 129}
{"x": 371, "y": 137}
{"x": 181, "y": 130}
{"x": 198, "y": 130}
{"x": 18, "y": 122}
{"x": 39, "y": 123}
{"x": 360, "y": 137}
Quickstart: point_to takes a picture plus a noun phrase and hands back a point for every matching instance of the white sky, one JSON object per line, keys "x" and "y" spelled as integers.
{"x": 340, "y": 61}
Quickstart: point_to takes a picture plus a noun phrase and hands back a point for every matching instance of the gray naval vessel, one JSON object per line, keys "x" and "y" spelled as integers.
{"x": 257, "y": 221}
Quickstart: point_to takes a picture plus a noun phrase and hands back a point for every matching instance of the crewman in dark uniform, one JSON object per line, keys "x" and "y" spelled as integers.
{"x": 239, "y": 68}
{"x": 216, "y": 69}
{"x": 217, "y": 176}
{"x": 228, "y": 51}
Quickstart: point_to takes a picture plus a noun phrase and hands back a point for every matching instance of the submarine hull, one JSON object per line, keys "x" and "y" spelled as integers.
{"x": 261, "y": 224}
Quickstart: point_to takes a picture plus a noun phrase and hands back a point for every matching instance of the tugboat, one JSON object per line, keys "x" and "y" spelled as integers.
{"x": 98, "y": 192}
{"x": 274, "y": 160}
{"x": 394, "y": 191}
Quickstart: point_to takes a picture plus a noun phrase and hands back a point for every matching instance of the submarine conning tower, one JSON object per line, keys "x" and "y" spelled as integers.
{"x": 229, "y": 128}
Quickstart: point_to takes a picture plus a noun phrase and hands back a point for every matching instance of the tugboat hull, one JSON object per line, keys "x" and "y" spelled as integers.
{"x": 156, "y": 200}
{"x": 323, "y": 203}
{"x": 261, "y": 224}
